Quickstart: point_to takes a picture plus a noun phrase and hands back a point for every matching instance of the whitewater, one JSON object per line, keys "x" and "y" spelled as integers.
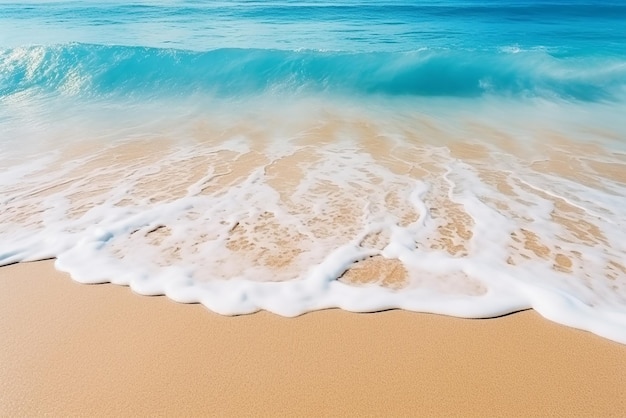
{"x": 452, "y": 157}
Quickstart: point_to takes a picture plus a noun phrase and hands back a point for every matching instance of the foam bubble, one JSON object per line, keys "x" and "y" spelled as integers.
{"x": 320, "y": 203}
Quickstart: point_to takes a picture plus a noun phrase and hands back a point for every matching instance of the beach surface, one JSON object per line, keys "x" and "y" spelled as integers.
{"x": 68, "y": 349}
{"x": 277, "y": 169}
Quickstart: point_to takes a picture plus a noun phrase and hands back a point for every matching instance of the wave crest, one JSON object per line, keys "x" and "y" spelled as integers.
{"x": 97, "y": 70}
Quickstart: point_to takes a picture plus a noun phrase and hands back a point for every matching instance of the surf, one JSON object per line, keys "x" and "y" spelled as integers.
{"x": 94, "y": 71}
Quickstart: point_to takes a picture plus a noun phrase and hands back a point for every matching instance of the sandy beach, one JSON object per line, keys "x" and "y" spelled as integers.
{"x": 326, "y": 208}
{"x": 82, "y": 350}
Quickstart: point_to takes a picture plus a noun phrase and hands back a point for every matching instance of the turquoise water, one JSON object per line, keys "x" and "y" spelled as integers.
{"x": 562, "y": 27}
{"x": 571, "y": 50}
{"x": 465, "y": 158}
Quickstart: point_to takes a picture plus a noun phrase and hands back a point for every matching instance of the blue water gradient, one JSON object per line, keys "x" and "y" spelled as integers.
{"x": 563, "y": 27}
{"x": 572, "y": 50}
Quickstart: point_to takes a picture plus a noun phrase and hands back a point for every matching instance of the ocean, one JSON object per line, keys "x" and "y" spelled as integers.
{"x": 464, "y": 158}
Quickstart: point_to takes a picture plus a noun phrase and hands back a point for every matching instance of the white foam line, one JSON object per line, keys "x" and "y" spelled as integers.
{"x": 196, "y": 256}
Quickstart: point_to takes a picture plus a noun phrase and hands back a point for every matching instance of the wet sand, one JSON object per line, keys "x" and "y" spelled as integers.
{"x": 72, "y": 349}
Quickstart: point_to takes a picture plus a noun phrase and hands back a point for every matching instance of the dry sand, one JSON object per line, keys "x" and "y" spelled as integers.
{"x": 70, "y": 349}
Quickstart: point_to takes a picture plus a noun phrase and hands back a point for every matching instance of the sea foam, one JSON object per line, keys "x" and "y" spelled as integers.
{"x": 326, "y": 202}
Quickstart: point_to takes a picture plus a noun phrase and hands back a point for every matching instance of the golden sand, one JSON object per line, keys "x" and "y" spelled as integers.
{"x": 76, "y": 350}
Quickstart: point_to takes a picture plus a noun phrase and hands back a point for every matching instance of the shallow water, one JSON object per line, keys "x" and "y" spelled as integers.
{"x": 459, "y": 158}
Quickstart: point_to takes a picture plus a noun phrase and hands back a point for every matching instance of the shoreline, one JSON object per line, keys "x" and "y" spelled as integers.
{"x": 72, "y": 349}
